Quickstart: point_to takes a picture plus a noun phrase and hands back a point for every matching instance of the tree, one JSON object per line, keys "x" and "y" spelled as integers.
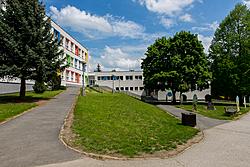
{"x": 27, "y": 46}
{"x": 229, "y": 54}
{"x": 98, "y": 69}
{"x": 178, "y": 63}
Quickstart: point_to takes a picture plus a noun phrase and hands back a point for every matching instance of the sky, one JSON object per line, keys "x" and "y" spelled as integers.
{"x": 118, "y": 32}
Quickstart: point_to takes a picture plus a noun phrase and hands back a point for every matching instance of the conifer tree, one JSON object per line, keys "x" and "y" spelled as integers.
{"x": 27, "y": 47}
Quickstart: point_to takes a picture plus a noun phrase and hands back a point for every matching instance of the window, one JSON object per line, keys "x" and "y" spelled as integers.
{"x": 71, "y": 62}
{"x": 72, "y": 46}
{"x": 67, "y": 75}
{"x": 68, "y": 59}
{"x": 138, "y": 77}
{"x": 72, "y": 76}
{"x": 131, "y": 88}
{"x": 121, "y": 77}
{"x": 126, "y": 88}
{"x": 122, "y": 88}
{"x": 117, "y": 88}
{"x": 136, "y": 88}
{"x": 141, "y": 88}
{"x": 129, "y": 77}
{"x": 76, "y": 50}
{"x": 61, "y": 40}
{"x": 67, "y": 44}
{"x": 98, "y": 78}
{"x": 76, "y": 63}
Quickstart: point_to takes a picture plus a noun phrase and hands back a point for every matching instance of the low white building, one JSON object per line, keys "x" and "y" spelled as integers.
{"x": 132, "y": 81}
{"x": 118, "y": 80}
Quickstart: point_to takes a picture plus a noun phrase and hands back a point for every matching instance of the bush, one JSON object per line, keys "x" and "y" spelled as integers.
{"x": 63, "y": 87}
{"x": 39, "y": 87}
{"x": 55, "y": 82}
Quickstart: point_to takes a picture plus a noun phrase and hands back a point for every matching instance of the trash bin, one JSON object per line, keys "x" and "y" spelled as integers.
{"x": 188, "y": 119}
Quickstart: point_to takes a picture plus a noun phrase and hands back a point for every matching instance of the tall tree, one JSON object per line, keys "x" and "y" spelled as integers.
{"x": 230, "y": 55}
{"x": 27, "y": 46}
{"x": 178, "y": 63}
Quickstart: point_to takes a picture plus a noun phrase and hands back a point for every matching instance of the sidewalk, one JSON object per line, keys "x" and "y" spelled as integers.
{"x": 226, "y": 145}
{"x": 202, "y": 122}
{"x": 32, "y": 139}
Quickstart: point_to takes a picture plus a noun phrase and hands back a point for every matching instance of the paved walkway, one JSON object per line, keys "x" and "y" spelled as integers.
{"x": 32, "y": 139}
{"x": 202, "y": 122}
{"x": 226, "y": 145}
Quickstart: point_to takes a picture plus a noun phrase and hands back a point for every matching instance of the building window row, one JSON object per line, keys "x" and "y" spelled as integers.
{"x": 69, "y": 45}
{"x": 111, "y": 77}
{"x": 73, "y": 76}
{"x": 129, "y": 88}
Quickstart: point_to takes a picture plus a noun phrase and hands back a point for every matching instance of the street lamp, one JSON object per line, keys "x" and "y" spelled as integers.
{"x": 83, "y": 78}
{"x": 113, "y": 87}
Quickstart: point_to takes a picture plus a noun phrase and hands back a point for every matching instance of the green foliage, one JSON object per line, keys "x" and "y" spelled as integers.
{"x": 229, "y": 54}
{"x": 109, "y": 123}
{"x": 27, "y": 47}
{"x": 178, "y": 63}
{"x": 55, "y": 82}
{"x": 39, "y": 87}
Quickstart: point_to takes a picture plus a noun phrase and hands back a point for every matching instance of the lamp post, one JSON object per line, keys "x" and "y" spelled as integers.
{"x": 113, "y": 86}
{"x": 83, "y": 78}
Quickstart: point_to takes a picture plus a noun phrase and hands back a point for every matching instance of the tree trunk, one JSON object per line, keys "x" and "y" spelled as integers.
{"x": 22, "y": 88}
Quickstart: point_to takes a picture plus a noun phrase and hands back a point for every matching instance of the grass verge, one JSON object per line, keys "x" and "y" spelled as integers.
{"x": 219, "y": 113}
{"x": 11, "y": 105}
{"x": 116, "y": 124}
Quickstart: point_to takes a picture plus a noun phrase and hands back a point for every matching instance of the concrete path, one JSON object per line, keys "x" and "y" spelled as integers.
{"x": 32, "y": 139}
{"x": 202, "y": 122}
{"x": 226, "y": 145}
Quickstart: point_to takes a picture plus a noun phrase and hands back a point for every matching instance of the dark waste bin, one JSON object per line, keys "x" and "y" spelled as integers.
{"x": 188, "y": 119}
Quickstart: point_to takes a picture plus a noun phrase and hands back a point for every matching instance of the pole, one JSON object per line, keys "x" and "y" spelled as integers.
{"x": 83, "y": 79}
{"x": 113, "y": 87}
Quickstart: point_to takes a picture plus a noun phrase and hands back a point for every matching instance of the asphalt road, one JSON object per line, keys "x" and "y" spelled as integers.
{"x": 32, "y": 139}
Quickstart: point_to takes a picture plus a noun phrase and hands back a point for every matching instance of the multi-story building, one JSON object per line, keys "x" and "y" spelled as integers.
{"x": 118, "y": 80}
{"x": 76, "y": 57}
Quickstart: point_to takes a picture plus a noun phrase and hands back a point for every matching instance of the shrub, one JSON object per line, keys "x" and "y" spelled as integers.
{"x": 39, "y": 87}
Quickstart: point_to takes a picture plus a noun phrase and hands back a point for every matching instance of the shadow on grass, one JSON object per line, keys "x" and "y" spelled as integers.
{"x": 4, "y": 99}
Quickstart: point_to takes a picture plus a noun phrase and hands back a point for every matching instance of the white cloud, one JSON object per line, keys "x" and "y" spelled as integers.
{"x": 94, "y": 26}
{"x": 207, "y": 27}
{"x": 167, "y": 7}
{"x": 247, "y": 2}
{"x": 118, "y": 59}
{"x": 186, "y": 18}
{"x": 167, "y": 22}
{"x": 206, "y": 41}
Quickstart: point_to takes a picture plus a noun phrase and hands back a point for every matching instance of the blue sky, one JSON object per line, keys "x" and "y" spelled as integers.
{"x": 118, "y": 32}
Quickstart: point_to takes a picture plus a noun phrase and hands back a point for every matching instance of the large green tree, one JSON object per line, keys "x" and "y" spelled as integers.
{"x": 27, "y": 47}
{"x": 230, "y": 54}
{"x": 178, "y": 63}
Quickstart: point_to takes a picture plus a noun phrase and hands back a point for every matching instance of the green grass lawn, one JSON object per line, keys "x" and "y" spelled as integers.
{"x": 11, "y": 105}
{"x": 219, "y": 113}
{"x": 116, "y": 124}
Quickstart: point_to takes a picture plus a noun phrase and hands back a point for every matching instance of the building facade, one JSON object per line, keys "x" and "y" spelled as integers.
{"x": 76, "y": 57}
{"x": 118, "y": 80}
